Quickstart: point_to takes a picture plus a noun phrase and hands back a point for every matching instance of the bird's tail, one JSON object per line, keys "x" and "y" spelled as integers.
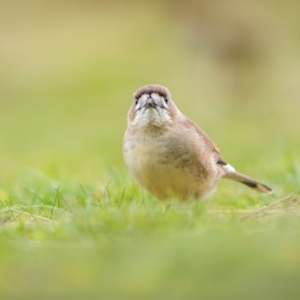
{"x": 250, "y": 182}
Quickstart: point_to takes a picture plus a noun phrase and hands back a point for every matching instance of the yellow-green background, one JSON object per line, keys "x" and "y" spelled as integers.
{"x": 68, "y": 70}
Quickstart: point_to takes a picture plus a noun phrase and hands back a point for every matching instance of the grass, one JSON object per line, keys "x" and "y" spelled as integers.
{"x": 81, "y": 239}
{"x": 73, "y": 223}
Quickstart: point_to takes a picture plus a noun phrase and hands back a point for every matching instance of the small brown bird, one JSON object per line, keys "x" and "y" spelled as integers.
{"x": 168, "y": 154}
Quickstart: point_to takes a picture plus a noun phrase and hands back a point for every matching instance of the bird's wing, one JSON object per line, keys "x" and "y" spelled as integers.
{"x": 207, "y": 141}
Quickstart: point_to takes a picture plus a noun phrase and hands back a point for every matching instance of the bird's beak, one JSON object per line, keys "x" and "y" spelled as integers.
{"x": 150, "y": 103}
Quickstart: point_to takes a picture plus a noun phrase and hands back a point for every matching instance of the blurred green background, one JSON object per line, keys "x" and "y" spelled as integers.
{"x": 68, "y": 70}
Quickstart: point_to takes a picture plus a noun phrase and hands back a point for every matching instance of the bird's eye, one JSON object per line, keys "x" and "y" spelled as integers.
{"x": 166, "y": 99}
{"x": 136, "y": 101}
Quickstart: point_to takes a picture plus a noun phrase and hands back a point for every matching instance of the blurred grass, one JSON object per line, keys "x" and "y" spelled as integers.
{"x": 73, "y": 222}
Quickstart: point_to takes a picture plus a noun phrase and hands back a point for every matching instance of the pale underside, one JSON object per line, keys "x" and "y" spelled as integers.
{"x": 157, "y": 157}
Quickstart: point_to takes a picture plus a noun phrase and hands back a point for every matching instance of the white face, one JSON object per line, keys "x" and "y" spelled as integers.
{"x": 151, "y": 110}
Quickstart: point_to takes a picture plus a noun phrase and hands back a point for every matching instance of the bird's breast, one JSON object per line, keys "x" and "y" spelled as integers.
{"x": 166, "y": 164}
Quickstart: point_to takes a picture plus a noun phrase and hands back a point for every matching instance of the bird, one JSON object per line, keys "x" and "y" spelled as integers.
{"x": 169, "y": 155}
